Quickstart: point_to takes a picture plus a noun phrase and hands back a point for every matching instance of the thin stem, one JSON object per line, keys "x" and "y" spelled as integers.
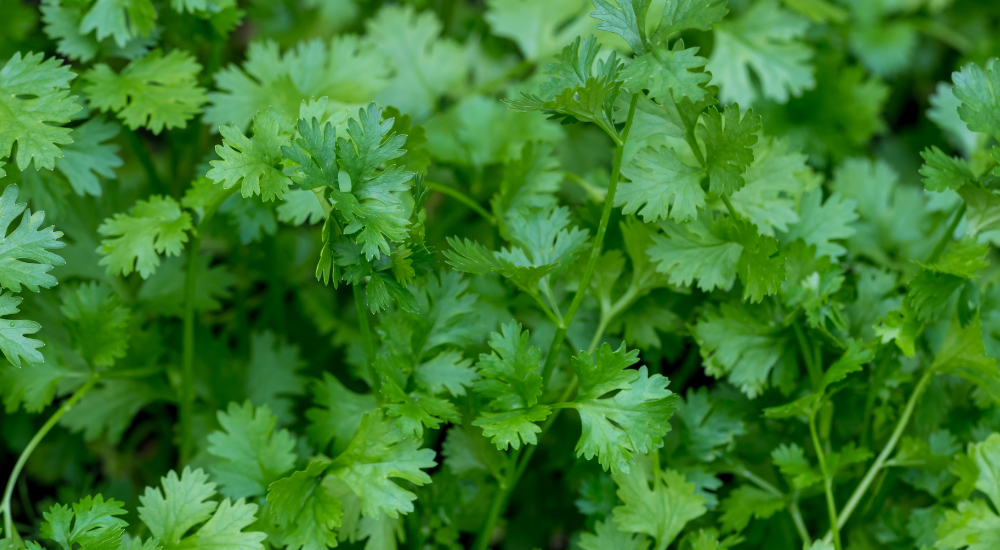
{"x": 147, "y": 161}
{"x": 883, "y": 456}
{"x": 800, "y": 525}
{"x": 729, "y": 206}
{"x": 831, "y": 506}
{"x": 815, "y": 376}
{"x": 26, "y": 453}
{"x": 187, "y": 344}
{"x": 366, "y": 341}
{"x": 521, "y": 459}
{"x": 595, "y": 194}
{"x": 946, "y": 238}
{"x": 759, "y": 482}
{"x": 462, "y": 198}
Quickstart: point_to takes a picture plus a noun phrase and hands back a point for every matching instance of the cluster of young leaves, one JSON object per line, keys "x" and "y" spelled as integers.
{"x": 770, "y": 334}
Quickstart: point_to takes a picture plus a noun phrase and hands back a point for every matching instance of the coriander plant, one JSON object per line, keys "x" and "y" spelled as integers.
{"x": 447, "y": 274}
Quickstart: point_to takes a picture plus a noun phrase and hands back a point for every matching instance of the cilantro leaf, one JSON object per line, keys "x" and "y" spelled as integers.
{"x": 253, "y": 161}
{"x": 606, "y": 536}
{"x": 508, "y": 373}
{"x": 26, "y": 121}
{"x": 13, "y": 342}
{"x": 699, "y": 250}
{"x": 633, "y": 420}
{"x": 822, "y": 222}
{"x": 347, "y": 71}
{"x": 728, "y": 141}
{"x": 661, "y": 187}
{"x": 426, "y": 66}
{"x": 84, "y": 524}
{"x": 514, "y": 427}
{"x": 626, "y": 20}
{"x": 767, "y": 40}
{"x": 251, "y": 453}
{"x": 182, "y": 504}
{"x": 120, "y": 19}
{"x": 134, "y": 241}
{"x": 25, "y": 257}
{"x": 708, "y": 426}
{"x": 942, "y": 172}
{"x": 976, "y": 88}
{"x": 376, "y": 455}
{"x": 660, "y": 512}
{"x": 741, "y": 342}
{"x": 97, "y": 322}
{"x": 88, "y": 156}
{"x": 667, "y": 73}
{"x": 304, "y": 510}
{"x": 554, "y": 24}
{"x": 338, "y": 413}
{"x": 156, "y": 92}
{"x": 688, "y": 14}
{"x": 746, "y": 502}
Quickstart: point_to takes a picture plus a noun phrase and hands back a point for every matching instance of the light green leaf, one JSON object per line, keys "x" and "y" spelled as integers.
{"x": 133, "y": 241}
{"x": 251, "y": 453}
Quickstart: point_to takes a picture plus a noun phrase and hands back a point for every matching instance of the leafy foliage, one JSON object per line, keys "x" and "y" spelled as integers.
{"x": 599, "y": 274}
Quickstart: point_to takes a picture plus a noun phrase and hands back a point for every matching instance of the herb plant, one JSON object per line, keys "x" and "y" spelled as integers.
{"x": 608, "y": 275}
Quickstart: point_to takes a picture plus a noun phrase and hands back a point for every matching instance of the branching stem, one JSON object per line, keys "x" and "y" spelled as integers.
{"x": 64, "y": 408}
{"x": 518, "y": 460}
{"x": 462, "y": 198}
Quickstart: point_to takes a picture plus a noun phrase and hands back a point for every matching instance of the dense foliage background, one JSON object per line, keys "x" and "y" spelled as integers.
{"x": 781, "y": 314}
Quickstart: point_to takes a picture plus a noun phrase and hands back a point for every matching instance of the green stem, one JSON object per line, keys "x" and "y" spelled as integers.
{"x": 729, "y": 206}
{"x": 800, "y": 525}
{"x": 946, "y": 238}
{"x": 147, "y": 161}
{"x": 883, "y": 456}
{"x": 522, "y": 459}
{"x": 26, "y": 453}
{"x": 831, "y": 506}
{"x": 366, "y": 341}
{"x": 187, "y": 344}
{"x": 462, "y": 198}
{"x": 815, "y": 376}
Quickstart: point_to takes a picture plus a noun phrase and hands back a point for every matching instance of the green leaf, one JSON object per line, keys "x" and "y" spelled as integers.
{"x": 182, "y": 504}
{"x": 853, "y": 360}
{"x": 134, "y": 241}
{"x": 122, "y": 20}
{"x": 345, "y": 72}
{"x": 376, "y": 455}
{"x": 426, "y": 66}
{"x": 108, "y": 410}
{"x": 156, "y": 92}
{"x": 465, "y": 450}
{"x": 942, "y": 172}
{"x": 34, "y": 100}
{"x": 554, "y": 24}
{"x": 272, "y": 376}
{"x": 973, "y": 527}
{"x": 760, "y": 268}
{"x": 626, "y": 20}
{"x": 668, "y": 74}
{"x": 660, "y": 512}
{"x": 253, "y": 161}
{"x": 635, "y": 419}
{"x": 88, "y": 522}
{"x": 820, "y": 223}
{"x": 963, "y": 353}
{"x": 251, "y": 453}
{"x": 33, "y": 388}
{"x": 338, "y": 413}
{"x": 606, "y": 536}
{"x": 578, "y": 88}
{"x": 748, "y": 502}
{"x": 766, "y": 40}
{"x": 304, "y": 510}
{"x": 511, "y": 428}
{"x": 25, "y": 257}
{"x": 88, "y": 156}
{"x": 661, "y": 187}
{"x": 447, "y": 371}
{"x": 977, "y": 89}
{"x": 728, "y": 141}
{"x": 13, "y": 342}
{"x": 708, "y": 426}
{"x": 983, "y": 213}
{"x": 509, "y": 378}
{"x": 741, "y": 342}
{"x": 98, "y": 323}
{"x": 681, "y": 15}
{"x": 791, "y": 461}
{"x": 776, "y": 181}
{"x": 698, "y": 251}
